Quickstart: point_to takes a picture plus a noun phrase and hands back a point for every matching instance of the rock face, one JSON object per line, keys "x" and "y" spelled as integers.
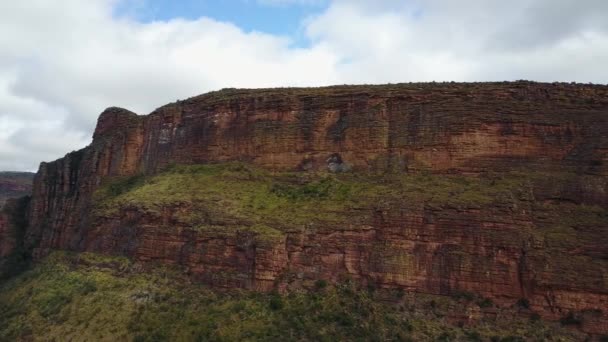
{"x": 13, "y": 222}
{"x": 468, "y": 129}
{"x": 13, "y": 185}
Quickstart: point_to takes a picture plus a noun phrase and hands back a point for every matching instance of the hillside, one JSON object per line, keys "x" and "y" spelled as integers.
{"x": 489, "y": 196}
{"x": 97, "y": 298}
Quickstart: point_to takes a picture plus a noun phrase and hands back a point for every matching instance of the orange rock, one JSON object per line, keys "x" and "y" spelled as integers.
{"x": 456, "y": 128}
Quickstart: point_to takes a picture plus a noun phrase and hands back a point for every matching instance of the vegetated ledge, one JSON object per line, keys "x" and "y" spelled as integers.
{"x": 348, "y": 160}
{"x": 235, "y": 225}
{"x": 92, "y": 297}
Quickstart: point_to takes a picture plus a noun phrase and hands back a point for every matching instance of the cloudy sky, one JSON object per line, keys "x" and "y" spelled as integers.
{"x": 63, "y": 61}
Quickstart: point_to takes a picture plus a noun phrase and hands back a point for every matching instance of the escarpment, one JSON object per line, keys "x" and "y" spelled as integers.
{"x": 496, "y": 189}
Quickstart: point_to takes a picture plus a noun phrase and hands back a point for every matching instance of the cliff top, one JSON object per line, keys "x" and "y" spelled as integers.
{"x": 391, "y": 90}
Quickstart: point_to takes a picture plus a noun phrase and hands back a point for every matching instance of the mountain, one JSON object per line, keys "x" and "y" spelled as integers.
{"x": 492, "y": 196}
{"x": 14, "y": 185}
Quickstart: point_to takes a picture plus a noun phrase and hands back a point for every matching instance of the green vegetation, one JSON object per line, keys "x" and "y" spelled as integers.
{"x": 91, "y": 297}
{"x": 570, "y": 319}
{"x": 226, "y": 198}
{"x": 231, "y": 192}
{"x": 211, "y": 195}
{"x": 523, "y": 303}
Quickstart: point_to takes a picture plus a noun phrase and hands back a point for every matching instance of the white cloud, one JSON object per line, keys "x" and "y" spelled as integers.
{"x": 63, "y": 62}
{"x": 471, "y": 40}
{"x": 62, "y": 65}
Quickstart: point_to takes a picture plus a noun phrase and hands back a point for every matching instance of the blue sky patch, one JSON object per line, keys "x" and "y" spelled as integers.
{"x": 250, "y": 15}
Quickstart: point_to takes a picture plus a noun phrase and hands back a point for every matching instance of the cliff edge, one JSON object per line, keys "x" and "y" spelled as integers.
{"x": 496, "y": 189}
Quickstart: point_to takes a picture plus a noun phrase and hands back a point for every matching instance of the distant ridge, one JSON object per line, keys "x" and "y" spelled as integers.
{"x": 14, "y": 185}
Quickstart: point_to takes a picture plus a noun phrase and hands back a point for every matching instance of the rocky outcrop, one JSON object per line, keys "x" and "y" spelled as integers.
{"x": 14, "y": 190}
{"x": 470, "y": 129}
{"x": 13, "y": 223}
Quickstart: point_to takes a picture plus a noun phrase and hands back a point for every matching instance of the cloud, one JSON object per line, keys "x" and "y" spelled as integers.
{"x": 470, "y": 40}
{"x": 62, "y": 63}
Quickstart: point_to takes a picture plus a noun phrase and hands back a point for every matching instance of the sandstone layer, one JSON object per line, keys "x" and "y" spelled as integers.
{"x": 522, "y": 248}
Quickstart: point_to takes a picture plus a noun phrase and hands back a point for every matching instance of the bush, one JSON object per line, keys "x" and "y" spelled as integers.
{"x": 124, "y": 185}
{"x": 523, "y": 303}
{"x": 464, "y": 295}
{"x": 313, "y": 190}
{"x": 445, "y": 337}
{"x": 570, "y": 319}
{"x": 473, "y": 336}
{"x": 276, "y": 302}
{"x": 400, "y": 293}
{"x": 320, "y": 284}
{"x": 485, "y": 303}
{"x": 344, "y": 320}
{"x": 371, "y": 287}
{"x": 512, "y": 339}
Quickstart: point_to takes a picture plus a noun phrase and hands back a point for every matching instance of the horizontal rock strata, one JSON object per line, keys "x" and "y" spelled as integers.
{"x": 473, "y": 129}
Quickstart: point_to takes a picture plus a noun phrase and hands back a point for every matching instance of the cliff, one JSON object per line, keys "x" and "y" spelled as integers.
{"x": 14, "y": 189}
{"x": 495, "y": 189}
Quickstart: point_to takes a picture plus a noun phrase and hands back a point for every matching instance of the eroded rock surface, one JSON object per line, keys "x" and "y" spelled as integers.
{"x": 508, "y": 250}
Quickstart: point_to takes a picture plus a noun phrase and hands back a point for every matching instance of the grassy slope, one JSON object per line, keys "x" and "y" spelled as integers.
{"x": 237, "y": 194}
{"x": 241, "y": 192}
{"x": 96, "y": 298}
{"x": 90, "y": 297}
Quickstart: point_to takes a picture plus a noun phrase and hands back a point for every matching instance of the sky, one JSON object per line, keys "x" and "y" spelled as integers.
{"x": 62, "y": 62}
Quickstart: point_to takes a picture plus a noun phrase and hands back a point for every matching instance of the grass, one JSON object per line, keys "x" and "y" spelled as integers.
{"x": 92, "y": 297}
{"x": 230, "y": 197}
{"x": 216, "y": 194}
{"x": 223, "y": 199}
{"x": 240, "y": 192}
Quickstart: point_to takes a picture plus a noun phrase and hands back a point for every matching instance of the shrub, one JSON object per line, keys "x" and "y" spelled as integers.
{"x": 485, "y": 303}
{"x": 313, "y": 190}
{"x": 320, "y": 284}
{"x": 523, "y": 303}
{"x": 512, "y": 339}
{"x": 371, "y": 287}
{"x": 464, "y": 295}
{"x": 344, "y": 319}
{"x": 446, "y": 337}
{"x": 570, "y": 319}
{"x": 276, "y": 302}
{"x": 122, "y": 186}
{"x": 400, "y": 293}
{"x": 473, "y": 336}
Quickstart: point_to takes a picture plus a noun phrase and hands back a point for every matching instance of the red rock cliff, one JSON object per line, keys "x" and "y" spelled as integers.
{"x": 442, "y": 128}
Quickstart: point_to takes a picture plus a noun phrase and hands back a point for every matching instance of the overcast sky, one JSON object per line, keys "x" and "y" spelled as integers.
{"x": 63, "y": 61}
